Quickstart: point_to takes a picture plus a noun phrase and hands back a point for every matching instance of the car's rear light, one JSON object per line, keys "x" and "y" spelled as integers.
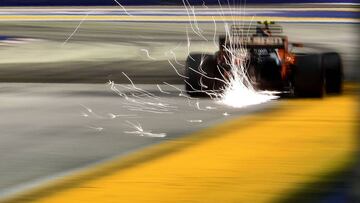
{"x": 290, "y": 59}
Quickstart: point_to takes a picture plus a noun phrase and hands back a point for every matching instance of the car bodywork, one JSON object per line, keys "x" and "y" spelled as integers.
{"x": 268, "y": 61}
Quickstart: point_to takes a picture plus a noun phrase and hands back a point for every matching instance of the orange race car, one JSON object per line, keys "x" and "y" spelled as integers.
{"x": 269, "y": 64}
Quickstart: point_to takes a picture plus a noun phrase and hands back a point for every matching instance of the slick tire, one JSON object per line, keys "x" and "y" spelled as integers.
{"x": 332, "y": 66}
{"x": 309, "y": 76}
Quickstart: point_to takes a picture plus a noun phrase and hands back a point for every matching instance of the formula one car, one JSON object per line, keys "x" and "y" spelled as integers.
{"x": 270, "y": 64}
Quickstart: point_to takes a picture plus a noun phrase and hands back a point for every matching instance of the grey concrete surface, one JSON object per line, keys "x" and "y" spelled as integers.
{"x": 48, "y": 129}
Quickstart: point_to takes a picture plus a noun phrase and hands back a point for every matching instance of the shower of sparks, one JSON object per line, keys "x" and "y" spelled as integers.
{"x": 190, "y": 10}
{"x": 90, "y": 112}
{"x": 197, "y": 104}
{"x": 195, "y": 121}
{"x": 76, "y": 29}
{"x": 204, "y": 5}
{"x": 148, "y": 54}
{"x": 122, "y": 7}
{"x": 182, "y": 94}
{"x": 139, "y": 89}
{"x": 139, "y": 131}
{"x": 188, "y": 39}
{"x": 238, "y": 91}
{"x": 99, "y": 129}
{"x": 214, "y": 36}
{"x": 162, "y": 91}
{"x": 141, "y": 100}
{"x": 177, "y": 72}
{"x": 87, "y": 109}
{"x": 113, "y": 116}
{"x": 84, "y": 115}
{"x": 175, "y": 58}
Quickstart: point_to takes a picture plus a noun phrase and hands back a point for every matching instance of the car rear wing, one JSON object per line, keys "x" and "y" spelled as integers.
{"x": 251, "y": 29}
{"x": 253, "y": 42}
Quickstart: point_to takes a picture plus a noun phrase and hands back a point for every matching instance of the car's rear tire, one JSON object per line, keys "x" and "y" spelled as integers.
{"x": 333, "y": 72}
{"x": 198, "y": 65}
{"x": 309, "y": 76}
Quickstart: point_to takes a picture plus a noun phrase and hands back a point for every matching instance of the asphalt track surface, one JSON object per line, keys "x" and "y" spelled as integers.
{"x": 49, "y": 130}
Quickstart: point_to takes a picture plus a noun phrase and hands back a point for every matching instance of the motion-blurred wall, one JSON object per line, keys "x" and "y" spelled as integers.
{"x": 152, "y": 2}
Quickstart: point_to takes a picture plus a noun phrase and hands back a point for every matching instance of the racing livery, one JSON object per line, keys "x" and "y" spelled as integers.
{"x": 270, "y": 64}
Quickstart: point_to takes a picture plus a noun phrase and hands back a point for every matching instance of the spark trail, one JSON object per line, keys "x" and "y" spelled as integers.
{"x": 238, "y": 91}
{"x": 76, "y": 29}
{"x": 141, "y": 100}
{"x": 148, "y": 54}
{"x": 138, "y": 130}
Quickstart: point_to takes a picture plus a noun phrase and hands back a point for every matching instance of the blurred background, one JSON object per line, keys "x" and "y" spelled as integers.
{"x": 60, "y": 119}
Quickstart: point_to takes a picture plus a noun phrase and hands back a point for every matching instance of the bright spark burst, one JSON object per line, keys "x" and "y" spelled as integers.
{"x": 239, "y": 91}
